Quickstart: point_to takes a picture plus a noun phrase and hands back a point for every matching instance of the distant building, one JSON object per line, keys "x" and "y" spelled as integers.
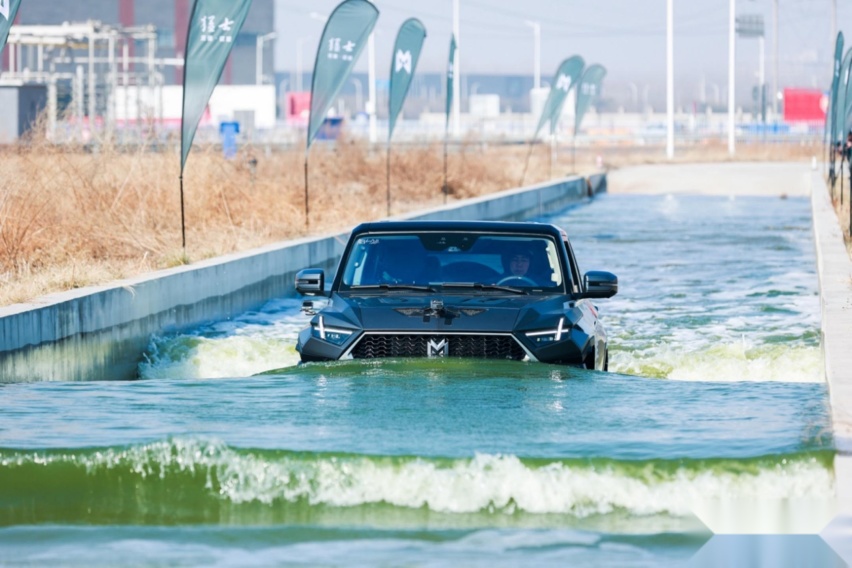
{"x": 171, "y": 18}
{"x": 427, "y": 91}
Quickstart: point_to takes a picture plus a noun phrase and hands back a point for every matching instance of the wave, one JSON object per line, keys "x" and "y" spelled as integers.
{"x": 724, "y": 362}
{"x": 198, "y": 357}
{"x": 188, "y": 480}
{"x": 248, "y": 344}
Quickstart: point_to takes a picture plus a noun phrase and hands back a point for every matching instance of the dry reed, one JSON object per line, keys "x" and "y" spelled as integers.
{"x": 72, "y": 216}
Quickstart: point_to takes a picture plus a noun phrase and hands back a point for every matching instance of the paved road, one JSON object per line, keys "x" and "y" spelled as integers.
{"x": 835, "y": 272}
{"x": 727, "y": 178}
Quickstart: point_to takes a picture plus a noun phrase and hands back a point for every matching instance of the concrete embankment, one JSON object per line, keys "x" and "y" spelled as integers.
{"x": 833, "y": 266}
{"x": 835, "y": 282}
{"x": 100, "y": 333}
{"x": 728, "y": 178}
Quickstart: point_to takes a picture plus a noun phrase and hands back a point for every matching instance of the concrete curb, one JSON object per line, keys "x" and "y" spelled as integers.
{"x": 835, "y": 282}
{"x": 835, "y": 290}
{"x": 100, "y": 333}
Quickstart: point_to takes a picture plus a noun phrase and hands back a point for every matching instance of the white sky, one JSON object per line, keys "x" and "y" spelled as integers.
{"x": 626, "y": 36}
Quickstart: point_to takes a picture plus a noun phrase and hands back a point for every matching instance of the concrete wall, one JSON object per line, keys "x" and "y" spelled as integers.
{"x": 834, "y": 268}
{"x": 21, "y": 106}
{"x": 100, "y": 333}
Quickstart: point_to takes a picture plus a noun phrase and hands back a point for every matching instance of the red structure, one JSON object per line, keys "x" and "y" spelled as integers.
{"x": 126, "y": 13}
{"x": 127, "y": 18}
{"x": 805, "y": 105}
{"x": 298, "y": 107}
{"x": 182, "y": 14}
{"x": 6, "y": 54}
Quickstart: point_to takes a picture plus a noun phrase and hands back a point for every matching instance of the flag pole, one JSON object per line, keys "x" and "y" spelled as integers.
{"x": 850, "y": 198}
{"x": 307, "y": 202}
{"x": 552, "y": 153}
{"x": 445, "y": 188}
{"x": 388, "y": 178}
{"x": 526, "y": 162}
{"x": 574, "y": 151}
{"x": 182, "y": 217}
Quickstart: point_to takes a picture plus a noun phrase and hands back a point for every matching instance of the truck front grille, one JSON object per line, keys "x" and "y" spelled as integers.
{"x": 477, "y": 346}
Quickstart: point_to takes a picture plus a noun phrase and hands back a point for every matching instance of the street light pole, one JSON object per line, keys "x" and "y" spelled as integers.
{"x": 669, "y": 79}
{"x": 751, "y": 25}
{"x": 358, "y": 97}
{"x": 456, "y": 74}
{"x": 536, "y": 53}
{"x": 775, "y": 62}
{"x": 371, "y": 88}
{"x": 761, "y": 96}
{"x": 732, "y": 43}
{"x": 299, "y": 71}
{"x": 833, "y": 23}
{"x": 261, "y": 39}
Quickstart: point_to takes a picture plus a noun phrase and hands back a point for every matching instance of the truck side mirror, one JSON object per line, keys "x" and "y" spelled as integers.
{"x": 600, "y": 284}
{"x": 311, "y": 282}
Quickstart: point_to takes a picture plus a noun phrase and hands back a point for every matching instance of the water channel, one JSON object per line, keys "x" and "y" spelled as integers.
{"x": 715, "y": 392}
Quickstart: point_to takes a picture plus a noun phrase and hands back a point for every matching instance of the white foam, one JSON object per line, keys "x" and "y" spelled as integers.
{"x": 253, "y": 343}
{"x": 728, "y": 362}
{"x": 484, "y": 483}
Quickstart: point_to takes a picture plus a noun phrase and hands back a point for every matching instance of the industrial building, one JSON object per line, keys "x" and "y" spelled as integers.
{"x": 170, "y": 19}
{"x": 115, "y": 67}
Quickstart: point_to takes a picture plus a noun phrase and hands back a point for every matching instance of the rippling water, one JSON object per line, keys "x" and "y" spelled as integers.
{"x": 715, "y": 394}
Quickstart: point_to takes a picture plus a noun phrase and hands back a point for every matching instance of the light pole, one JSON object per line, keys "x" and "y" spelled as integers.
{"x": 299, "y": 71}
{"x": 536, "y": 53}
{"x": 456, "y": 73}
{"x": 358, "y": 91}
{"x": 775, "y": 62}
{"x": 752, "y": 26}
{"x": 669, "y": 79}
{"x": 371, "y": 88}
{"x": 833, "y": 28}
{"x": 261, "y": 39}
{"x": 732, "y": 99}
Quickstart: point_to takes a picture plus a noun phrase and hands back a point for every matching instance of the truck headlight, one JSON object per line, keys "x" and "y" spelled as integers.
{"x": 334, "y": 335}
{"x": 547, "y": 336}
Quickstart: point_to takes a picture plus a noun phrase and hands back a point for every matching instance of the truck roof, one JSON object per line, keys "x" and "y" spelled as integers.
{"x": 465, "y": 226}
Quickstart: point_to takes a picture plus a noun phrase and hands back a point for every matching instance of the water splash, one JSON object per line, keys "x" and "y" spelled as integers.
{"x": 485, "y": 483}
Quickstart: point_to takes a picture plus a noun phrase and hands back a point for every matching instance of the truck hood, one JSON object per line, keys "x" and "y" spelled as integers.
{"x": 487, "y": 312}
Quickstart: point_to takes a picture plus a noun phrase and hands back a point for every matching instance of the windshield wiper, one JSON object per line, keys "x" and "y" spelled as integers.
{"x": 481, "y": 286}
{"x": 416, "y": 287}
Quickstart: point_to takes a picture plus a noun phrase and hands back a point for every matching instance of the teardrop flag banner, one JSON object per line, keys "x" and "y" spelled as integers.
{"x": 450, "y": 79}
{"x": 588, "y": 90}
{"x": 839, "y": 110}
{"x": 830, "y": 123}
{"x": 343, "y": 39}
{"x": 213, "y": 29}
{"x": 844, "y": 125}
{"x": 406, "y": 54}
{"x": 567, "y": 76}
{"x": 841, "y": 117}
{"x": 8, "y": 12}
{"x": 840, "y": 107}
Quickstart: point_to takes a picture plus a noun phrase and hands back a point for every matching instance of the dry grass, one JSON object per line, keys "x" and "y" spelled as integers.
{"x": 840, "y": 197}
{"x": 72, "y": 218}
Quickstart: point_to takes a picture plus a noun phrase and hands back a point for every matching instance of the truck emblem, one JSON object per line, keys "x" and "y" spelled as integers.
{"x": 437, "y": 348}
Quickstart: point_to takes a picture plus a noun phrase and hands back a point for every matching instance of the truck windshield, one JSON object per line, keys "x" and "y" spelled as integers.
{"x": 432, "y": 259}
